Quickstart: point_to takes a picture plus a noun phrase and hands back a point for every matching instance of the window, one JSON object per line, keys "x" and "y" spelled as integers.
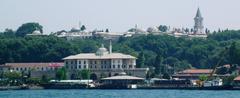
{"x": 90, "y": 62}
{"x": 113, "y": 66}
{"x": 42, "y": 68}
{"x": 95, "y": 62}
{"x": 84, "y": 62}
{"x": 79, "y": 62}
{"x": 118, "y": 66}
{"x": 66, "y": 62}
{"x": 79, "y": 66}
{"x": 71, "y": 62}
{"x": 85, "y": 66}
{"x": 17, "y": 69}
{"x": 101, "y": 62}
{"x": 130, "y": 66}
{"x": 105, "y": 62}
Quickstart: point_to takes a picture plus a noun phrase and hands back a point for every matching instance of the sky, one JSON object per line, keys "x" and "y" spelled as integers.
{"x": 118, "y": 15}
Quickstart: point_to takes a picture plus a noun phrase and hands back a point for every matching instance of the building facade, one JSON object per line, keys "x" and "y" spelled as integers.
{"x": 36, "y": 70}
{"x": 104, "y": 63}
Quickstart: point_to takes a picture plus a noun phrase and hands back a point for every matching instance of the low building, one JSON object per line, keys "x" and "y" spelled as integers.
{"x": 35, "y": 69}
{"x": 121, "y": 82}
{"x": 104, "y": 63}
{"x": 237, "y": 81}
{"x": 171, "y": 83}
{"x": 194, "y": 74}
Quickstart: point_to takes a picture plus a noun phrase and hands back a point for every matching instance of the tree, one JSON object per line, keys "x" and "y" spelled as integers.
{"x": 85, "y": 74}
{"x": 166, "y": 76}
{"x": 158, "y": 64}
{"x": 163, "y": 28}
{"x": 28, "y": 28}
{"x": 140, "y": 60}
{"x": 61, "y": 74}
{"x": 83, "y": 28}
{"x": 14, "y": 78}
{"x": 9, "y": 32}
{"x": 203, "y": 78}
{"x": 107, "y": 30}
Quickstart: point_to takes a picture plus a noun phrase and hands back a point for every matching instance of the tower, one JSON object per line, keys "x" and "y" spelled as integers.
{"x": 198, "y": 27}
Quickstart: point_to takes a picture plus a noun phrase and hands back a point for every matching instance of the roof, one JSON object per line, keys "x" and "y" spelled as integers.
{"x": 237, "y": 78}
{"x": 198, "y": 13}
{"x": 196, "y": 71}
{"x": 123, "y": 78}
{"x": 94, "y": 56}
{"x": 55, "y": 64}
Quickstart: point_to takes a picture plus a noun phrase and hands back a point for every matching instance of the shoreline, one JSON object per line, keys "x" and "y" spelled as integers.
{"x": 6, "y": 88}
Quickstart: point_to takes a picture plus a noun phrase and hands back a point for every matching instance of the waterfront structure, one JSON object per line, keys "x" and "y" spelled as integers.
{"x": 121, "y": 81}
{"x": 104, "y": 63}
{"x": 194, "y": 74}
{"x": 237, "y": 81}
{"x": 171, "y": 83}
{"x": 35, "y": 69}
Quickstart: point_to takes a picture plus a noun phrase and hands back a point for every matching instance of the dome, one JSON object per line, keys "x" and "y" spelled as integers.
{"x": 101, "y": 50}
{"x": 152, "y": 29}
{"x": 36, "y": 32}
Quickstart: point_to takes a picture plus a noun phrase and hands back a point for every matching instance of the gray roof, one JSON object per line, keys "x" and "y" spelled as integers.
{"x": 104, "y": 56}
{"x": 198, "y": 13}
{"x": 123, "y": 78}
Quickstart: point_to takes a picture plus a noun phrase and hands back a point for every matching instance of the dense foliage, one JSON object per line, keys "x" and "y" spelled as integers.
{"x": 165, "y": 53}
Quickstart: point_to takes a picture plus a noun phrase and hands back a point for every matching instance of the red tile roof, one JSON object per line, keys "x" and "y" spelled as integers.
{"x": 54, "y": 64}
{"x": 196, "y": 71}
{"x": 237, "y": 78}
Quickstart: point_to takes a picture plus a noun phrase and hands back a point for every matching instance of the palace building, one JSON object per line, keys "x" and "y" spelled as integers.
{"x": 104, "y": 63}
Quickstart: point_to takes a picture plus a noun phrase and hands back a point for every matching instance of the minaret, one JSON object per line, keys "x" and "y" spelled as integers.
{"x": 110, "y": 46}
{"x": 198, "y": 27}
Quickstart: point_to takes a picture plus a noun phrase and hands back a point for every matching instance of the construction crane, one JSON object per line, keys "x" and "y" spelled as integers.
{"x": 224, "y": 52}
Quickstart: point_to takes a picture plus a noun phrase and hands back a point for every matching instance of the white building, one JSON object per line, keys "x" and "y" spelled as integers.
{"x": 105, "y": 63}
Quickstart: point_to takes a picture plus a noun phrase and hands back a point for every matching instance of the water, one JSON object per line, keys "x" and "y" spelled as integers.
{"x": 119, "y": 94}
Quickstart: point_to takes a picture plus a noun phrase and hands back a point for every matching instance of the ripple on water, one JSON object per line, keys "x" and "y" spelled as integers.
{"x": 119, "y": 94}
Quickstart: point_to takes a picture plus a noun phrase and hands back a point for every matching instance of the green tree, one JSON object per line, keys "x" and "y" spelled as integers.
{"x": 141, "y": 60}
{"x": 163, "y": 28}
{"x": 28, "y": 28}
{"x": 158, "y": 64}
{"x": 85, "y": 74}
{"x": 203, "y": 77}
{"x": 61, "y": 74}
{"x": 83, "y": 28}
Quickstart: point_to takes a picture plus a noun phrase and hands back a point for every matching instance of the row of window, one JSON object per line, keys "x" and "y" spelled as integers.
{"x": 85, "y": 62}
{"x": 95, "y": 66}
{"x": 29, "y": 68}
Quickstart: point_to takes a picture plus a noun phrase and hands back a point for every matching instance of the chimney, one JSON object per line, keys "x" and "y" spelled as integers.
{"x": 110, "y": 46}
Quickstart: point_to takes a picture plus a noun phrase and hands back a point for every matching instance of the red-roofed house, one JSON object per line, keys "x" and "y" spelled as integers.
{"x": 237, "y": 81}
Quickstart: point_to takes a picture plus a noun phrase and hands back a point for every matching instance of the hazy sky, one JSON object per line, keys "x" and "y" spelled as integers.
{"x": 118, "y": 15}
